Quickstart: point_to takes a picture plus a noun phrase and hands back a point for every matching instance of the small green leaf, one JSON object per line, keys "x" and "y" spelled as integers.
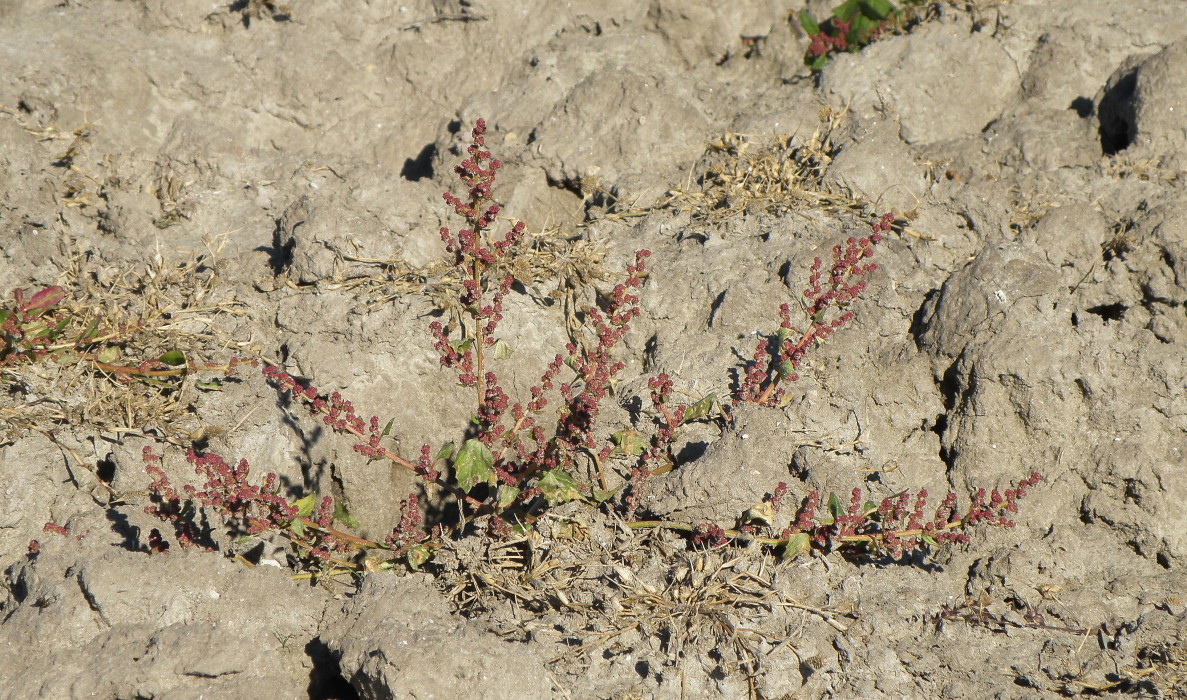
{"x": 846, "y": 10}
{"x": 65, "y": 357}
{"x": 305, "y": 505}
{"x": 811, "y": 28}
{"x": 173, "y": 358}
{"x": 108, "y": 354}
{"x": 506, "y": 495}
{"x": 835, "y": 507}
{"x": 297, "y": 526}
{"x": 877, "y": 9}
{"x": 558, "y": 486}
{"x": 342, "y": 515}
{"x": 446, "y": 452}
{"x": 930, "y": 540}
{"x": 387, "y": 429}
{"x": 57, "y": 329}
{"x": 211, "y": 385}
{"x": 629, "y": 442}
{"x": 474, "y": 465}
{"x": 869, "y": 508}
{"x": 244, "y": 539}
{"x": 602, "y": 496}
{"x": 461, "y": 346}
{"x": 33, "y": 328}
{"x": 501, "y": 350}
{"x": 860, "y": 31}
{"x": 700, "y": 409}
{"x": 91, "y": 332}
{"x": 796, "y": 545}
{"x": 417, "y": 556}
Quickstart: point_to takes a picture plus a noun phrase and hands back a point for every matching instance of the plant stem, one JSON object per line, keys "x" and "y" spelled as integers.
{"x": 479, "y": 334}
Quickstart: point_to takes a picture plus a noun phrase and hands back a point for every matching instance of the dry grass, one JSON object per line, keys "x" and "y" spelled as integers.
{"x": 742, "y": 173}
{"x": 138, "y": 314}
{"x": 553, "y": 267}
{"x": 600, "y": 591}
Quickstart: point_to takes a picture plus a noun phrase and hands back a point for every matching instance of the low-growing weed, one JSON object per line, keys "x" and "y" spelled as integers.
{"x": 523, "y": 457}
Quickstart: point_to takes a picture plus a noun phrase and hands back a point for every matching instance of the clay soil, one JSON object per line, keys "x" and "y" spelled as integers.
{"x": 260, "y": 178}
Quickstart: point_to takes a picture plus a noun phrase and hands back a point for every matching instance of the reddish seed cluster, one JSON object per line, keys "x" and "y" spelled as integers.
{"x": 844, "y": 283}
{"x": 337, "y": 412}
{"x": 708, "y": 533}
{"x": 776, "y": 498}
{"x": 157, "y": 543}
{"x": 596, "y": 369}
{"x": 408, "y": 531}
{"x": 167, "y": 504}
{"x": 823, "y": 43}
{"x": 227, "y": 489}
{"x": 898, "y": 525}
{"x": 661, "y": 441}
{"x": 838, "y": 41}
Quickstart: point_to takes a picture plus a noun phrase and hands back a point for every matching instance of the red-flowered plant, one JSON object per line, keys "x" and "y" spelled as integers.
{"x": 523, "y": 457}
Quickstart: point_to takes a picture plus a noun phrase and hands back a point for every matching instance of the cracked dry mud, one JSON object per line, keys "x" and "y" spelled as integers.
{"x": 1028, "y": 315}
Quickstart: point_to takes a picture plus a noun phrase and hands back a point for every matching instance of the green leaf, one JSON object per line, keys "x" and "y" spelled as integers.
{"x": 501, "y": 350}
{"x": 474, "y": 465}
{"x": 244, "y": 539}
{"x": 65, "y": 357}
{"x": 342, "y": 515}
{"x": 57, "y": 329}
{"x": 602, "y": 496}
{"x": 92, "y": 330}
{"x": 211, "y": 385}
{"x": 297, "y": 527}
{"x": 877, "y": 9}
{"x": 860, "y": 31}
{"x": 173, "y": 358}
{"x": 558, "y": 486}
{"x": 446, "y": 452}
{"x": 506, "y": 495}
{"x": 461, "y": 346}
{"x": 305, "y": 505}
{"x": 417, "y": 556}
{"x": 629, "y": 442}
{"x": 835, "y": 507}
{"x": 846, "y": 10}
{"x": 930, "y": 540}
{"x": 387, "y": 429}
{"x": 108, "y": 354}
{"x": 700, "y": 409}
{"x": 796, "y": 545}
{"x": 869, "y": 508}
{"x": 811, "y": 28}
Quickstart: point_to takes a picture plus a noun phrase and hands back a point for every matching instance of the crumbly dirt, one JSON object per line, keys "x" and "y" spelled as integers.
{"x": 265, "y": 177}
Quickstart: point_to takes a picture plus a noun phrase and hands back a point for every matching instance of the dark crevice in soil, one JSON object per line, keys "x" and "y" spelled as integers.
{"x": 325, "y": 680}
